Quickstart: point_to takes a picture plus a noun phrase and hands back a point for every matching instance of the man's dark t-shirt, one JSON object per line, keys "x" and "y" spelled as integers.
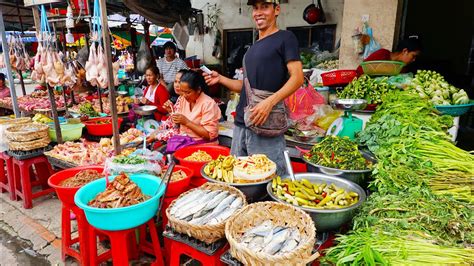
{"x": 265, "y": 63}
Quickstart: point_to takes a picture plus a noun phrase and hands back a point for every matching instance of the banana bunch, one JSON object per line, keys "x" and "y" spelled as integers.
{"x": 40, "y": 118}
{"x": 221, "y": 169}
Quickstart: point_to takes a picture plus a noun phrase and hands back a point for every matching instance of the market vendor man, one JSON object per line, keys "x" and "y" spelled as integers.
{"x": 170, "y": 65}
{"x": 406, "y": 52}
{"x": 271, "y": 64}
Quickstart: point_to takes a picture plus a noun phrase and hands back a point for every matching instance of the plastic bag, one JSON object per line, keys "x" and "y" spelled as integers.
{"x": 114, "y": 168}
{"x": 325, "y": 115}
{"x": 300, "y": 104}
{"x": 372, "y": 46}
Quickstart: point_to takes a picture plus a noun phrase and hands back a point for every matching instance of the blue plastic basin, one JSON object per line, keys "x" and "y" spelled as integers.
{"x": 120, "y": 218}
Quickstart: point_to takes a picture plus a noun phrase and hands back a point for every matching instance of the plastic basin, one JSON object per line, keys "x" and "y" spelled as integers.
{"x": 69, "y": 132}
{"x": 101, "y": 129}
{"x": 180, "y": 186}
{"x": 382, "y": 67}
{"x": 455, "y": 110}
{"x": 213, "y": 150}
{"x": 66, "y": 194}
{"x": 121, "y": 218}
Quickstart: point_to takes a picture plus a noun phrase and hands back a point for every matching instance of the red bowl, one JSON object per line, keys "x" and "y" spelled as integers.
{"x": 101, "y": 129}
{"x": 66, "y": 194}
{"x": 176, "y": 188}
{"x": 213, "y": 150}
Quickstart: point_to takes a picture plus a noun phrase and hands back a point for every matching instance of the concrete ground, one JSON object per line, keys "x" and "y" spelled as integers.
{"x": 40, "y": 226}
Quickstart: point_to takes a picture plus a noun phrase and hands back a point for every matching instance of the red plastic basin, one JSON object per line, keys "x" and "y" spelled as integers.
{"x": 66, "y": 194}
{"x": 213, "y": 150}
{"x": 180, "y": 186}
{"x": 101, "y": 129}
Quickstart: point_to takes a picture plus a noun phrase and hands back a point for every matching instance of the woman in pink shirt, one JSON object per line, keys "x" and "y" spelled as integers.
{"x": 198, "y": 114}
{"x": 4, "y": 90}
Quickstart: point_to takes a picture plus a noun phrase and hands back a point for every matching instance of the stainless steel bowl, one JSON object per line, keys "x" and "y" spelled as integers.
{"x": 328, "y": 220}
{"x": 123, "y": 93}
{"x": 360, "y": 177}
{"x": 306, "y": 135}
{"x": 145, "y": 109}
{"x": 253, "y": 191}
{"x": 349, "y": 104}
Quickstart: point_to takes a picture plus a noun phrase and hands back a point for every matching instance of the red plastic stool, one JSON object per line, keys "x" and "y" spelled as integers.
{"x": 176, "y": 249}
{"x": 7, "y": 183}
{"x": 123, "y": 245}
{"x": 24, "y": 181}
{"x": 82, "y": 256}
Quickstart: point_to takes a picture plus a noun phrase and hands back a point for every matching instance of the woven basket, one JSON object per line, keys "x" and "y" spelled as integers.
{"x": 15, "y": 121}
{"x": 280, "y": 214}
{"x": 29, "y": 145}
{"x": 27, "y": 132}
{"x": 205, "y": 233}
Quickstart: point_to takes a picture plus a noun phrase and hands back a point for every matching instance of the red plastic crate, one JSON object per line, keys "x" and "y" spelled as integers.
{"x": 338, "y": 77}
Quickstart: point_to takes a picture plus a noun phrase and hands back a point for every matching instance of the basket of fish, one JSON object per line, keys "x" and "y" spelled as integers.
{"x": 271, "y": 233}
{"x": 202, "y": 212}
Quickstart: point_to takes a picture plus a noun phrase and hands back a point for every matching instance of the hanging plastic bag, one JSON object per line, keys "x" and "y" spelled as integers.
{"x": 300, "y": 104}
{"x": 372, "y": 46}
{"x": 143, "y": 57}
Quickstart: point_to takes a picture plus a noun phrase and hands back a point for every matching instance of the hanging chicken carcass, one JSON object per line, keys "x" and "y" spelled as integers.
{"x": 143, "y": 57}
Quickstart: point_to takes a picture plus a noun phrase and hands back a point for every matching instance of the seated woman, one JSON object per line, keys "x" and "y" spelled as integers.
{"x": 197, "y": 114}
{"x": 4, "y": 90}
{"x": 155, "y": 94}
{"x": 406, "y": 52}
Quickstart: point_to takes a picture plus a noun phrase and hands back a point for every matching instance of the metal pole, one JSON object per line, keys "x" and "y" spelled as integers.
{"x": 9, "y": 67}
{"x": 54, "y": 112}
{"x": 108, "y": 59}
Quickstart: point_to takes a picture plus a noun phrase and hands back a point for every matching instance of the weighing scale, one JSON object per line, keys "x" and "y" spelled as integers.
{"x": 347, "y": 125}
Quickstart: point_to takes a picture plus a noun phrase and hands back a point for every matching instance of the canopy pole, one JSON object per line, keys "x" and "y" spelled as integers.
{"x": 54, "y": 112}
{"x": 6, "y": 57}
{"x": 108, "y": 59}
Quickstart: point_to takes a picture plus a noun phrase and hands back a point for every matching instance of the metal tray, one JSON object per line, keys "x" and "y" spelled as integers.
{"x": 60, "y": 163}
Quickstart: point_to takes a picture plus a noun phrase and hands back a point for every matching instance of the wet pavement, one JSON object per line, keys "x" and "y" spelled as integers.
{"x": 15, "y": 251}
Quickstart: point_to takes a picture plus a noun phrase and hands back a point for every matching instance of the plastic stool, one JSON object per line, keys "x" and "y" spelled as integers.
{"x": 7, "y": 182}
{"x": 176, "y": 249}
{"x": 23, "y": 178}
{"x": 82, "y": 256}
{"x": 123, "y": 245}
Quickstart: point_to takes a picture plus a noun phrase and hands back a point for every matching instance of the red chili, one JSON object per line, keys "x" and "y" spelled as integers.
{"x": 324, "y": 194}
{"x": 332, "y": 156}
{"x": 317, "y": 201}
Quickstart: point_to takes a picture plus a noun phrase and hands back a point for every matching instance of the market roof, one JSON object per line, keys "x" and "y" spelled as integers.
{"x": 160, "y": 12}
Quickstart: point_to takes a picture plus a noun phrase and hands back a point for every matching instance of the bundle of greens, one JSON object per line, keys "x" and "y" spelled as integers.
{"x": 409, "y": 139}
{"x": 443, "y": 220}
{"x": 432, "y": 86}
{"x": 87, "y": 109}
{"x": 367, "y": 88}
{"x": 373, "y": 246}
{"x": 338, "y": 152}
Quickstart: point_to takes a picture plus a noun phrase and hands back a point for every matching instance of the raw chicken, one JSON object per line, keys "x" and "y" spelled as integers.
{"x": 91, "y": 66}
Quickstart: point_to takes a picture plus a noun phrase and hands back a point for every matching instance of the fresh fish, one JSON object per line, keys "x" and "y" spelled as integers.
{"x": 187, "y": 199}
{"x": 196, "y": 206}
{"x": 292, "y": 242}
{"x": 214, "y": 202}
{"x": 264, "y": 227}
{"x": 225, "y": 203}
{"x": 222, "y": 216}
{"x": 276, "y": 242}
{"x": 256, "y": 244}
{"x": 237, "y": 203}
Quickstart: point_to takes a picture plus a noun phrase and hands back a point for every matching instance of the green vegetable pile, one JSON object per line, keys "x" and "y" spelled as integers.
{"x": 367, "y": 88}
{"x": 337, "y": 152}
{"x": 131, "y": 159}
{"x": 87, "y": 109}
{"x": 431, "y": 85}
{"x": 421, "y": 212}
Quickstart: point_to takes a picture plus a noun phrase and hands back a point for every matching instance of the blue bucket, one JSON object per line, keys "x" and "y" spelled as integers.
{"x": 121, "y": 218}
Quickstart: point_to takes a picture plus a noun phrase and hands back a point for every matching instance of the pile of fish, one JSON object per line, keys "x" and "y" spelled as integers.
{"x": 206, "y": 207}
{"x": 271, "y": 239}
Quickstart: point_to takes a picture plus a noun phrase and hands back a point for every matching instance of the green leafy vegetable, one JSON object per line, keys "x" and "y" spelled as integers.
{"x": 131, "y": 159}
{"x": 367, "y": 88}
{"x": 337, "y": 152}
